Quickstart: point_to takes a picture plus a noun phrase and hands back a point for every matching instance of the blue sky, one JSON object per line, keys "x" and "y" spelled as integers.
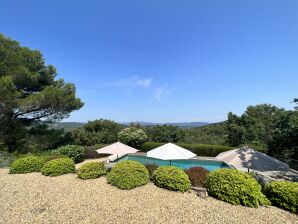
{"x": 164, "y": 61}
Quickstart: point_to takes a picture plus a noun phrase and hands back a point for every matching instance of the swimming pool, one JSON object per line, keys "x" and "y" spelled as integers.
{"x": 184, "y": 164}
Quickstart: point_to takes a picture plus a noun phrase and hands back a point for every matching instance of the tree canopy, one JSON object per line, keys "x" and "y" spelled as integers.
{"x": 165, "y": 133}
{"x": 267, "y": 127}
{"x": 29, "y": 92}
{"x": 95, "y": 132}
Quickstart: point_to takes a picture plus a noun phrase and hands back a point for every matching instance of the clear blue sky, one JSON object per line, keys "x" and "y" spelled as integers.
{"x": 164, "y": 61}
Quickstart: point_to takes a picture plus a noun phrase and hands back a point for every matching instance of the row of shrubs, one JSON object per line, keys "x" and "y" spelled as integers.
{"x": 229, "y": 185}
{"x": 55, "y": 166}
{"x": 232, "y": 186}
{"x": 198, "y": 149}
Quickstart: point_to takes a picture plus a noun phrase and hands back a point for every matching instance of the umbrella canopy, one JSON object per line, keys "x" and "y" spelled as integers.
{"x": 249, "y": 158}
{"x": 117, "y": 149}
{"x": 170, "y": 151}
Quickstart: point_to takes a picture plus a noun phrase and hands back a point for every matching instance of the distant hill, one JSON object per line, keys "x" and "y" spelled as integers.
{"x": 72, "y": 125}
{"x": 179, "y": 124}
{"x": 67, "y": 125}
{"x": 208, "y": 134}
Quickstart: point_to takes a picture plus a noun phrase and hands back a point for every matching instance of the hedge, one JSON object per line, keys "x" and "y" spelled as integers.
{"x": 91, "y": 170}
{"x": 198, "y": 149}
{"x": 283, "y": 194}
{"x": 26, "y": 164}
{"x": 128, "y": 174}
{"x": 58, "y": 167}
{"x": 235, "y": 187}
{"x": 172, "y": 178}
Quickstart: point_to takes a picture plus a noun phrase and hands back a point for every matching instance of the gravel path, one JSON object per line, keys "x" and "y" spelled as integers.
{"x": 33, "y": 198}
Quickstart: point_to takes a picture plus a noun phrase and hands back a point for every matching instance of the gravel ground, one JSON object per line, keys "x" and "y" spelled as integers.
{"x": 33, "y": 198}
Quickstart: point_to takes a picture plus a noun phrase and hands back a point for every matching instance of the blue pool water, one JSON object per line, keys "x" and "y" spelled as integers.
{"x": 184, "y": 164}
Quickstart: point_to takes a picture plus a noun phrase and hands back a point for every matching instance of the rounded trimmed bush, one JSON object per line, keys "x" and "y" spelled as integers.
{"x": 172, "y": 178}
{"x": 128, "y": 174}
{"x": 197, "y": 176}
{"x": 75, "y": 152}
{"x": 283, "y": 194}
{"x": 235, "y": 187}
{"x": 58, "y": 167}
{"x": 91, "y": 170}
{"x": 26, "y": 164}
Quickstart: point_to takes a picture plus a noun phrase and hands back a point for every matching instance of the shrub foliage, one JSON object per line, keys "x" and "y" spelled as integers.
{"x": 26, "y": 164}
{"x": 75, "y": 152}
{"x": 128, "y": 174}
{"x": 235, "y": 187}
{"x": 58, "y": 167}
{"x": 91, "y": 170}
{"x": 197, "y": 176}
{"x": 283, "y": 194}
{"x": 171, "y": 178}
{"x": 132, "y": 136}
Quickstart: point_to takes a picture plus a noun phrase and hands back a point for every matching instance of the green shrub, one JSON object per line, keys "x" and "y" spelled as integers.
{"x": 58, "y": 167}
{"x": 199, "y": 149}
{"x": 91, "y": 170}
{"x": 197, "y": 176}
{"x": 172, "y": 178}
{"x": 132, "y": 136}
{"x": 128, "y": 174}
{"x": 235, "y": 187}
{"x": 75, "y": 152}
{"x": 283, "y": 194}
{"x": 26, "y": 164}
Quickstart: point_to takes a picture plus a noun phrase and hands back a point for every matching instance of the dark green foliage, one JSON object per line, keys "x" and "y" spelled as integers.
{"x": 128, "y": 174}
{"x": 172, "y": 178}
{"x": 284, "y": 143}
{"x": 40, "y": 138}
{"x": 75, "y": 152}
{"x": 165, "y": 133}
{"x": 256, "y": 124}
{"x": 283, "y": 194}
{"x": 235, "y": 187}
{"x": 151, "y": 168}
{"x": 96, "y": 132}
{"x": 197, "y": 176}
{"x": 147, "y": 146}
{"x": 270, "y": 129}
{"x": 58, "y": 167}
{"x": 91, "y": 170}
{"x": 26, "y": 165}
{"x": 133, "y": 137}
{"x": 199, "y": 149}
{"x": 90, "y": 151}
{"x": 29, "y": 92}
{"x": 214, "y": 134}
{"x": 296, "y": 101}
